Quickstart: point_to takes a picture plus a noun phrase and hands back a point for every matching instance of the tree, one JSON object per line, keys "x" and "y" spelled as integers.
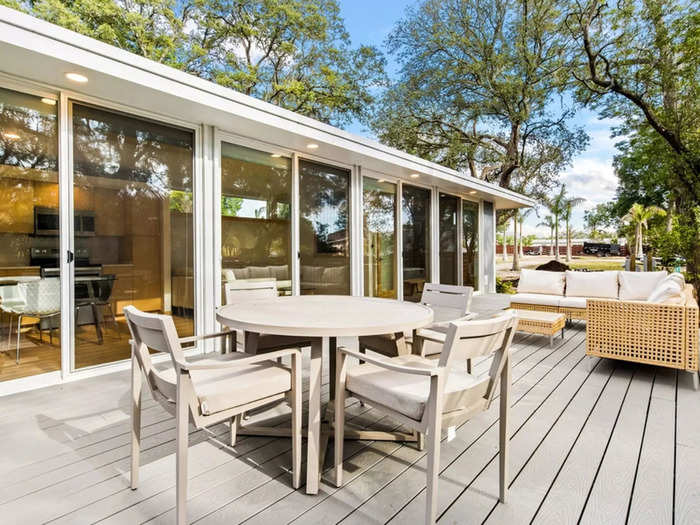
{"x": 516, "y": 255}
{"x": 521, "y": 220}
{"x": 476, "y": 90}
{"x": 639, "y": 61}
{"x": 557, "y": 206}
{"x": 501, "y": 231}
{"x": 599, "y": 218}
{"x": 569, "y": 204}
{"x": 548, "y": 222}
{"x": 638, "y": 217}
{"x": 293, "y": 53}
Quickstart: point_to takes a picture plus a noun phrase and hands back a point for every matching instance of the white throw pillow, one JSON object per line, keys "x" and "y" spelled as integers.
{"x": 539, "y": 281}
{"x": 228, "y": 275}
{"x": 636, "y": 286}
{"x": 592, "y": 284}
{"x": 670, "y": 290}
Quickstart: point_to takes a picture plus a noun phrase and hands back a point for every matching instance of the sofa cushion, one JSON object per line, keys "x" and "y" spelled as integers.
{"x": 259, "y": 272}
{"x": 592, "y": 284}
{"x": 669, "y": 290}
{"x": 242, "y": 273}
{"x": 281, "y": 272}
{"x": 334, "y": 274}
{"x": 228, "y": 275}
{"x": 538, "y": 281}
{"x": 573, "y": 302}
{"x": 312, "y": 274}
{"x": 637, "y": 286}
{"x": 536, "y": 298}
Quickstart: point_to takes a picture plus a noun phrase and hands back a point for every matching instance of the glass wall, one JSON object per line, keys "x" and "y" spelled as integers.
{"x": 255, "y": 216}
{"x": 470, "y": 244}
{"x": 379, "y": 238}
{"x": 415, "y": 228}
{"x": 324, "y": 240}
{"x": 29, "y": 302}
{"x": 449, "y": 241}
{"x": 133, "y": 228}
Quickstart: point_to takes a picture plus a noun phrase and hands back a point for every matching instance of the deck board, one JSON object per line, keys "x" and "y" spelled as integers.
{"x": 588, "y": 444}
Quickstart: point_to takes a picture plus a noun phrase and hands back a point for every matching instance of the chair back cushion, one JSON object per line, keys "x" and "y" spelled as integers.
{"x": 42, "y": 297}
{"x": 637, "y": 286}
{"x": 602, "y": 285}
{"x": 539, "y": 281}
{"x": 669, "y": 290}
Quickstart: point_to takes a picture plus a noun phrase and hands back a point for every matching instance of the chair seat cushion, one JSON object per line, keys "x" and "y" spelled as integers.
{"x": 536, "y": 298}
{"x": 404, "y": 393}
{"x": 219, "y": 390}
{"x": 573, "y": 302}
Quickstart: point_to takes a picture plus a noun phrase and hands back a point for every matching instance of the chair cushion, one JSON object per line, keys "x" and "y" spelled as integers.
{"x": 260, "y": 272}
{"x": 405, "y": 393}
{"x": 536, "y": 298}
{"x": 281, "y": 272}
{"x": 539, "y": 281}
{"x": 242, "y": 273}
{"x": 637, "y": 286}
{"x": 669, "y": 290}
{"x": 592, "y": 284}
{"x": 219, "y": 390}
{"x": 573, "y": 302}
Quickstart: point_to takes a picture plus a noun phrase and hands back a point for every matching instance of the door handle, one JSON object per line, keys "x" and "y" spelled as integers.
{"x": 69, "y": 257}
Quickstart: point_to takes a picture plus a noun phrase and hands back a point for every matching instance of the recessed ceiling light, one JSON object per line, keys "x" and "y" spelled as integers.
{"x": 49, "y": 101}
{"x": 414, "y": 175}
{"x": 11, "y": 136}
{"x": 275, "y": 155}
{"x": 312, "y": 146}
{"x": 76, "y": 77}
{"x": 473, "y": 192}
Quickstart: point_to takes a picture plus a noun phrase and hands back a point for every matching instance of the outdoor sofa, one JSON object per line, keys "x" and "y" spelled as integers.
{"x": 644, "y": 317}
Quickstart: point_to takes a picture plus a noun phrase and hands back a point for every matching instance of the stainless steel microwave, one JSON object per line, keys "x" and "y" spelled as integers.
{"x": 47, "y": 222}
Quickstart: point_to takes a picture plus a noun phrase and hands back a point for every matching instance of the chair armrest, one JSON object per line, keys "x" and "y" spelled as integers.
{"x": 270, "y": 356}
{"x": 195, "y": 338}
{"x": 388, "y": 365}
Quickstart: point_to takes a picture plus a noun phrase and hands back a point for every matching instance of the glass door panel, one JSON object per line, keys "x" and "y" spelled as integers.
{"x": 415, "y": 231}
{"x": 256, "y": 192}
{"x": 379, "y": 234}
{"x": 30, "y": 299}
{"x": 324, "y": 242}
{"x": 470, "y": 244}
{"x": 133, "y": 228}
{"x": 449, "y": 256}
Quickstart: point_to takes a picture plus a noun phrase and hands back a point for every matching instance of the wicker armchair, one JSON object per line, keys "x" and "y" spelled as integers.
{"x": 642, "y": 332}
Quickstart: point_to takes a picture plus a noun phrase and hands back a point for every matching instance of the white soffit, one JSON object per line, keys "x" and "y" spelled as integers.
{"x": 41, "y": 52}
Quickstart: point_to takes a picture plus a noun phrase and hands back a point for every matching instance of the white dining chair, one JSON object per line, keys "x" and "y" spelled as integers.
{"x": 426, "y": 395}
{"x": 247, "y": 291}
{"x": 39, "y": 299}
{"x": 205, "y": 392}
{"x": 449, "y": 303}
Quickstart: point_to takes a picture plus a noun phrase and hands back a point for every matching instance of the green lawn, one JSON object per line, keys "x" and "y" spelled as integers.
{"x": 597, "y": 265}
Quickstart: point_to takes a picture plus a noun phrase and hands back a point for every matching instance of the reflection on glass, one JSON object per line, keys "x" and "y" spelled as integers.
{"x": 133, "y": 198}
{"x": 379, "y": 232}
{"x": 323, "y": 229}
{"x": 449, "y": 261}
{"x": 255, "y": 221}
{"x": 29, "y": 304}
{"x": 415, "y": 226}
{"x": 470, "y": 244}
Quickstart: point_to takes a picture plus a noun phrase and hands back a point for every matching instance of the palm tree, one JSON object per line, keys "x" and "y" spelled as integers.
{"x": 521, "y": 220}
{"x": 639, "y": 216}
{"x": 557, "y": 206}
{"x": 548, "y": 222}
{"x": 502, "y": 230}
{"x": 569, "y": 205}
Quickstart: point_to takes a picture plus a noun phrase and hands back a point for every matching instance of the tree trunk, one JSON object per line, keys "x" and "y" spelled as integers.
{"x": 520, "y": 244}
{"x": 516, "y": 259}
{"x": 633, "y": 252}
{"x": 556, "y": 238}
{"x": 568, "y": 241}
{"x": 551, "y": 242}
{"x": 504, "y": 257}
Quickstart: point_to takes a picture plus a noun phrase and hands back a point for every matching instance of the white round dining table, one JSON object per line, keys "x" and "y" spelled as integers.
{"x": 318, "y": 317}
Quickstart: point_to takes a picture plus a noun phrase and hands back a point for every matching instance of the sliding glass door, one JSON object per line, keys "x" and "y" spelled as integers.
{"x": 415, "y": 231}
{"x": 449, "y": 241}
{"x": 470, "y": 244}
{"x": 324, "y": 240}
{"x": 379, "y": 238}
{"x": 133, "y": 228}
{"x": 30, "y": 301}
{"x": 256, "y": 190}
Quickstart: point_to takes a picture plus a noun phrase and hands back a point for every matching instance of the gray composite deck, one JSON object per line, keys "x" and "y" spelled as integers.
{"x": 609, "y": 443}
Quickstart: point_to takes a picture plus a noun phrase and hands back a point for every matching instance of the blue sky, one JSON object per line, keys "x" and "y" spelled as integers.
{"x": 591, "y": 174}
